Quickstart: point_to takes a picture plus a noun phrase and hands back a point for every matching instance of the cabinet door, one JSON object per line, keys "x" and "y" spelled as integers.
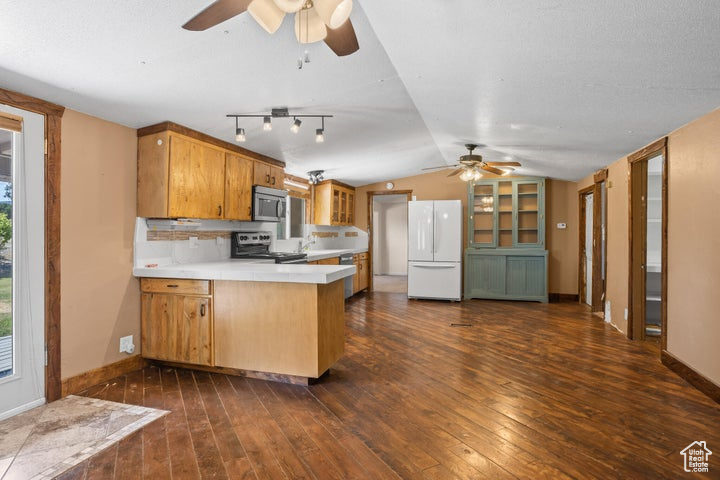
{"x": 485, "y": 275}
{"x": 197, "y": 179}
{"x": 526, "y": 276}
{"x": 528, "y": 225}
{"x": 356, "y": 276}
{"x": 277, "y": 177}
{"x": 335, "y": 210}
{"x": 238, "y": 187}
{"x": 343, "y": 206}
{"x": 262, "y": 174}
{"x": 177, "y": 328}
{"x": 364, "y": 273}
{"x": 351, "y": 208}
{"x": 482, "y": 214}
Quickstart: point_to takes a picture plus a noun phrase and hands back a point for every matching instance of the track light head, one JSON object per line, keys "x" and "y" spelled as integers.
{"x": 296, "y": 125}
{"x": 239, "y": 134}
{"x": 319, "y": 135}
{"x": 267, "y": 124}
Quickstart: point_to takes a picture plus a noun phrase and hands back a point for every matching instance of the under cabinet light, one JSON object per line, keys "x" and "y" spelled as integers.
{"x": 293, "y": 183}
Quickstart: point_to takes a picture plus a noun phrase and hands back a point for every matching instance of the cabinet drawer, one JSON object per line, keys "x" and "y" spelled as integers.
{"x": 329, "y": 261}
{"x": 174, "y": 285}
{"x": 363, "y": 256}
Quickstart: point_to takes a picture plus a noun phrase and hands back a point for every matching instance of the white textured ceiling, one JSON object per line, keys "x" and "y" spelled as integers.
{"x": 565, "y": 87}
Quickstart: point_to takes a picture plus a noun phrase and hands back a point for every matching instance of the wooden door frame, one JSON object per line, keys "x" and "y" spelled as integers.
{"x": 599, "y": 251}
{"x": 53, "y": 115}
{"x": 370, "y": 197}
{"x": 652, "y": 150}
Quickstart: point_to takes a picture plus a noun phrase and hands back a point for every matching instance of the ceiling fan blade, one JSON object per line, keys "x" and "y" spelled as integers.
{"x": 216, "y": 12}
{"x": 342, "y": 40}
{"x": 456, "y": 171}
{"x": 441, "y": 166}
{"x": 490, "y": 169}
{"x": 504, "y": 164}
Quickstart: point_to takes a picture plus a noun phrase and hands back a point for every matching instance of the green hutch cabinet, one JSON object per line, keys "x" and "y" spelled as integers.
{"x": 506, "y": 257}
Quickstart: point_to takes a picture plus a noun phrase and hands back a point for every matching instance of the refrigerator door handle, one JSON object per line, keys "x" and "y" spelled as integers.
{"x": 433, "y": 265}
{"x": 436, "y": 231}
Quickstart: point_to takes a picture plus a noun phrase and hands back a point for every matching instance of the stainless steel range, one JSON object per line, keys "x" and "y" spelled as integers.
{"x": 257, "y": 245}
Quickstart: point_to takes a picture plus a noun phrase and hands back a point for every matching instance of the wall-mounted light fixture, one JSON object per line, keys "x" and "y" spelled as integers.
{"x": 280, "y": 113}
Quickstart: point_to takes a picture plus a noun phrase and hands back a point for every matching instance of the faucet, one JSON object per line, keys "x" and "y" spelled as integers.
{"x": 305, "y": 246}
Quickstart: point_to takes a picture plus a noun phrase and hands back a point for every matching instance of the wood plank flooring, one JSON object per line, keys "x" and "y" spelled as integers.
{"x": 527, "y": 390}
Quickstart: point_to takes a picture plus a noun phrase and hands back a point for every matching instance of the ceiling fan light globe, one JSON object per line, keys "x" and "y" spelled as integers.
{"x": 267, "y": 14}
{"x": 289, "y": 6}
{"x": 477, "y": 175}
{"x": 333, "y": 12}
{"x": 309, "y": 27}
{"x": 466, "y": 175}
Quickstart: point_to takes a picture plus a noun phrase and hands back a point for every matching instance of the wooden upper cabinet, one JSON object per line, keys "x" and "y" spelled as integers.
{"x": 334, "y": 204}
{"x": 238, "y": 186}
{"x": 197, "y": 179}
{"x": 184, "y": 173}
{"x": 269, "y": 175}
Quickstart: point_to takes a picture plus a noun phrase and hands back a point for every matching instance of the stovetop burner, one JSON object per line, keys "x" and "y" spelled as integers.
{"x": 256, "y": 245}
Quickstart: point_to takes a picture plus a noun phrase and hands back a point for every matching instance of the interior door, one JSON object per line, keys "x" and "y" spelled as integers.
{"x": 589, "y": 248}
{"x": 22, "y": 264}
{"x": 638, "y": 247}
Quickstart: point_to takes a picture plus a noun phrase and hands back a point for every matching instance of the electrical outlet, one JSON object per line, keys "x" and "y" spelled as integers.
{"x": 126, "y": 344}
{"x": 220, "y": 240}
{"x": 194, "y": 242}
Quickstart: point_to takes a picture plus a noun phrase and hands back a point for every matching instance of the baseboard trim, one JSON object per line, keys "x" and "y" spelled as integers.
{"x": 563, "y": 297}
{"x": 697, "y": 380}
{"x": 81, "y": 382}
{"x": 273, "y": 377}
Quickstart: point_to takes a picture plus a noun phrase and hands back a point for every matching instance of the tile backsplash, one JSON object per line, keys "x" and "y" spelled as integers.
{"x": 211, "y": 241}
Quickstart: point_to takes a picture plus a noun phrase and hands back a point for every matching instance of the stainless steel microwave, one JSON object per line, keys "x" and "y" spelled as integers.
{"x": 268, "y": 204}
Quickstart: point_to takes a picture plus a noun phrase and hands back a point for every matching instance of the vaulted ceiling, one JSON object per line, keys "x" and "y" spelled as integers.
{"x": 565, "y": 87}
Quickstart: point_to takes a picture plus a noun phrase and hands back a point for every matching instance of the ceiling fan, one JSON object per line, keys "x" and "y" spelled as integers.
{"x": 315, "y": 20}
{"x": 471, "y": 166}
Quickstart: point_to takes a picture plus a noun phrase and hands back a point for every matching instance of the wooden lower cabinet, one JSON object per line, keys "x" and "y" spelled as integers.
{"x": 361, "y": 279}
{"x": 294, "y": 329}
{"x": 176, "y": 327}
{"x": 506, "y": 274}
{"x": 284, "y": 328}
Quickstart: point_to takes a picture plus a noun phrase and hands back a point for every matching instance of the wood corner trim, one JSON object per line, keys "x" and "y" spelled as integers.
{"x": 81, "y": 382}
{"x": 600, "y": 175}
{"x": 204, "y": 137}
{"x": 649, "y": 149}
{"x": 697, "y": 380}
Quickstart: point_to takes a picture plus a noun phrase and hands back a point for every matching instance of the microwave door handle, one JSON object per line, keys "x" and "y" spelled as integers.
{"x": 280, "y": 209}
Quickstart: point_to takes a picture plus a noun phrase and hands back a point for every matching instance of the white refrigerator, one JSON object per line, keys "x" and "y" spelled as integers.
{"x": 434, "y": 249}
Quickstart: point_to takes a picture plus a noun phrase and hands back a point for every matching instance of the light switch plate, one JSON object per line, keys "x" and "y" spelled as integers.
{"x": 219, "y": 240}
{"x": 562, "y": 226}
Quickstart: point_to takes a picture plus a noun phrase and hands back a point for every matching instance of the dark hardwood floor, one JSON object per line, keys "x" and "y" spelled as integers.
{"x": 525, "y": 390}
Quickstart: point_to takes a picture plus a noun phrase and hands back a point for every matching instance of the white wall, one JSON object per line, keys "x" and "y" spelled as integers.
{"x": 390, "y": 235}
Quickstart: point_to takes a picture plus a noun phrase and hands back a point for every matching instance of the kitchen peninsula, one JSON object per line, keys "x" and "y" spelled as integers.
{"x": 273, "y": 321}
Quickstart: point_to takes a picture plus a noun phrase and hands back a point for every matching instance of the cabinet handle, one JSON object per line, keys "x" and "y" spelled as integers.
{"x": 202, "y": 310}
{"x": 172, "y": 286}
{"x": 273, "y": 181}
{"x": 267, "y": 178}
{"x": 219, "y": 210}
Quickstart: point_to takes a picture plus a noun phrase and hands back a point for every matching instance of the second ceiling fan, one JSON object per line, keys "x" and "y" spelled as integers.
{"x": 315, "y": 20}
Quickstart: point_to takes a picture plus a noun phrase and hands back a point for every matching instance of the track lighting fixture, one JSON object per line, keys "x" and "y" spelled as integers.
{"x": 280, "y": 113}
{"x": 315, "y": 176}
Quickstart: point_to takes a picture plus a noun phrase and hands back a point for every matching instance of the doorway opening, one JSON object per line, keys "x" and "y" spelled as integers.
{"x": 387, "y": 240}
{"x": 593, "y": 246}
{"x": 647, "y": 305}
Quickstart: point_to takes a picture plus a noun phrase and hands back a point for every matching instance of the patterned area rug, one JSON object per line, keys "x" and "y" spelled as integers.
{"x": 46, "y": 441}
